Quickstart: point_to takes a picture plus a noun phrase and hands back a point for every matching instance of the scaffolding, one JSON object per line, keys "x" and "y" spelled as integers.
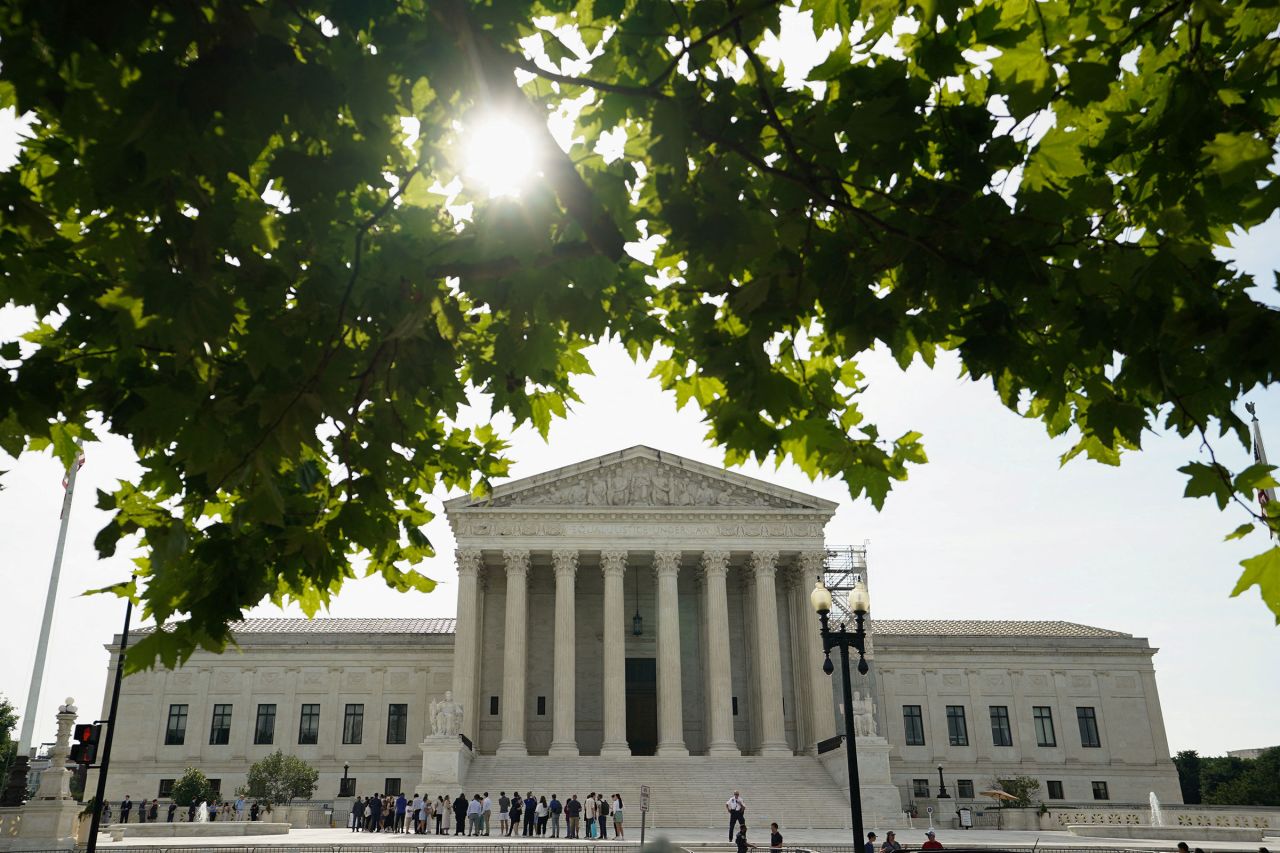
{"x": 843, "y": 567}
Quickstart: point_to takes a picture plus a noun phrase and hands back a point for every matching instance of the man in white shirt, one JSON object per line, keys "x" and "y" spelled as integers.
{"x": 590, "y": 809}
{"x": 737, "y": 812}
{"x": 486, "y": 812}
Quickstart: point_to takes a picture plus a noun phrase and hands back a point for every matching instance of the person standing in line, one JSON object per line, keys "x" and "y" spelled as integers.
{"x": 737, "y": 812}
{"x": 379, "y": 810}
{"x": 402, "y": 809}
{"x": 253, "y": 812}
{"x": 504, "y": 813}
{"x": 239, "y": 808}
{"x": 870, "y": 846}
{"x": 440, "y": 810}
{"x": 572, "y": 811}
{"x": 530, "y": 813}
{"x": 142, "y": 811}
{"x": 592, "y": 811}
{"x": 173, "y": 807}
{"x": 191, "y": 813}
{"x": 932, "y": 843}
{"x": 543, "y": 813}
{"x": 891, "y": 844}
{"x": 486, "y": 813}
{"x": 602, "y": 816}
{"x": 555, "y": 807}
{"x": 517, "y": 809}
{"x": 775, "y": 837}
{"x": 617, "y": 816}
{"x": 357, "y": 815}
{"x": 460, "y": 814}
{"x": 388, "y": 813}
{"x": 154, "y": 814}
{"x": 473, "y": 815}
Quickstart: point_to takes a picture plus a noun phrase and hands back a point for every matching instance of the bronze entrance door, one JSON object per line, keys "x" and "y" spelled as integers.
{"x": 642, "y": 705}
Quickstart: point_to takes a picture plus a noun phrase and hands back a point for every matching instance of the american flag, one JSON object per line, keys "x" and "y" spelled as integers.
{"x": 1265, "y": 496}
{"x": 66, "y": 478}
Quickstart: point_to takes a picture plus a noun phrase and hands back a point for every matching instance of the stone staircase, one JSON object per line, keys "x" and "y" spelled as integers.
{"x": 795, "y": 791}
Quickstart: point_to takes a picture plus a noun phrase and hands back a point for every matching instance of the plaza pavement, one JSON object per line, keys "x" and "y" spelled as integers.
{"x": 704, "y": 838}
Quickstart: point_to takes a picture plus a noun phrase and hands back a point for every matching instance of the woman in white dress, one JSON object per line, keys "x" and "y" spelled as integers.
{"x": 617, "y": 816}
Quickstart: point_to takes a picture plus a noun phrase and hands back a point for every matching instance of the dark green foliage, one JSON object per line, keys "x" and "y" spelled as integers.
{"x": 279, "y": 778}
{"x": 192, "y": 787}
{"x": 1022, "y": 787}
{"x": 289, "y": 377}
{"x": 1228, "y": 781}
{"x": 1188, "y": 763}
{"x": 8, "y": 746}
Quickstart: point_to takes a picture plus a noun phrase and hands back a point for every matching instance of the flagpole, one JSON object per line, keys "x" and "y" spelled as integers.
{"x": 42, "y": 647}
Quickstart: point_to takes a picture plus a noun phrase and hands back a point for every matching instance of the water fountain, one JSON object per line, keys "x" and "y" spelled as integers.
{"x": 1157, "y": 829}
{"x": 1157, "y": 816}
{"x": 199, "y": 827}
{"x": 202, "y": 813}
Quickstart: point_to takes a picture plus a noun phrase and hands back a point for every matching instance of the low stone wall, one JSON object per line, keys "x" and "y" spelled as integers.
{"x": 1264, "y": 818}
{"x": 10, "y": 820}
{"x": 215, "y": 829}
{"x": 1193, "y": 833}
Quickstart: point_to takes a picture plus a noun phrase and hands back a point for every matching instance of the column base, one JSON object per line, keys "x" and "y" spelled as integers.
{"x": 615, "y": 750}
{"x": 512, "y": 749}
{"x": 774, "y": 750}
{"x": 724, "y": 750}
{"x": 671, "y": 750}
{"x": 563, "y": 749}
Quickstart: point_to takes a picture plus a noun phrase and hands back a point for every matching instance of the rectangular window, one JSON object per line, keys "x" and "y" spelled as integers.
{"x": 1088, "y": 721}
{"x": 542, "y": 706}
{"x": 392, "y": 786}
{"x": 166, "y": 788}
{"x": 215, "y": 786}
{"x": 347, "y": 787}
{"x": 1100, "y": 791}
{"x": 957, "y": 728}
{"x": 1055, "y": 789}
{"x": 397, "y": 722}
{"x": 920, "y": 788}
{"x": 1043, "y": 716}
{"x": 1001, "y": 734}
{"x": 309, "y": 725}
{"x": 913, "y": 722}
{"x": 964, "y": 789}
{"x": 493, "y": 706}
{"x": 353, "y": 724}
{"x": 735, "y": 706}
{"x": 264, "y": 730}
{"x": 220, "y": 727}
{"x": 175, "y": 731}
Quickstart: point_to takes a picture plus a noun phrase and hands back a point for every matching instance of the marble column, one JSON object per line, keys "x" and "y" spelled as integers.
{"x": 666, "y": 566}
{"x": 798, "y": 612}
{"x": 466, "y": 650}
{"x": 823, "y": 705}
{"x": 773, "y": 736}
{"x": 719, "y": 691}
{"x": 613, "y": 565}
{"x": 564, "y": 667}
{"x": 515, "y": 655}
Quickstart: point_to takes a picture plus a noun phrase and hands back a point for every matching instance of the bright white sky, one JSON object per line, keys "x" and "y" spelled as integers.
{"x": 990, "y": 529}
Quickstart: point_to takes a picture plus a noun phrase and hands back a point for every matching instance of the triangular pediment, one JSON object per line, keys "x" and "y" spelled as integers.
{"x": 644, "y": 477}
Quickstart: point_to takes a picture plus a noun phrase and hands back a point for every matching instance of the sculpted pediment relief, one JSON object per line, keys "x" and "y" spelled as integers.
{"x": 640, "y": 483}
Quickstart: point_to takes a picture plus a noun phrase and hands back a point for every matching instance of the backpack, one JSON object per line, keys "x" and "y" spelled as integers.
{"x": 556, "y": 807}
{"x": 604, "y": 808}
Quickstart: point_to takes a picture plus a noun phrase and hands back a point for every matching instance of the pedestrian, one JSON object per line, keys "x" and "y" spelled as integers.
{"x": 775, "y": 837}
{"x": 460, "y": 814}
{"x": 602, "y": 816}
{"x": 126, "y": 806}
{"x": 517, "y": 809}
{"x": 870, "y": 846}
{"x": 572, "y": 811}
{"x": 504, "y": 813}
{"x": 106, "y": 813}
{"x": 474, "y": 808}
{"x": 440, "y": 810}
{"x": 240, "y": 807}
{"x": 388, "y": 813}
{"x": 741, "y": 841}
{"x": 191, "y": 813}
{"x": 253, "y": 812}
{"x": 591, "y": 810}
{"x": 737, "y": 812}
{"x": 530, "y": 813}
{"x": 617, "y": 815}
{"x": 378, "y": 812}
{"x": 173, "y": 807}
{"x": 932, "y": 843}
{"x": 402, "y": 806}
{"x": 486, "y": 813}
{"x": 556, "y": 808}
{"x": 891, "y": 844}
{"x": 357, "y": 815}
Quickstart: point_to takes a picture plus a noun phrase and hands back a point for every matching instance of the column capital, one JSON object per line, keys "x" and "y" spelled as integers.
{"x": 666, "y": 563}
{"x": 811, "y": 563}
{"x": 715, "y": 562}
{"x": 613, "y": 563}
{"x": 517, "y": 562}
{"x": 565, "y": 561}
{"x": 468, "y": 561}
{"x": 764, "y": 563}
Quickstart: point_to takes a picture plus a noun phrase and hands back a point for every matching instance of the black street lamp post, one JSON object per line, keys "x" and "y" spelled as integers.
{"x": 844, "y": 640}
{"x": 942, "y": 786}
{"x": 345, "y": 768}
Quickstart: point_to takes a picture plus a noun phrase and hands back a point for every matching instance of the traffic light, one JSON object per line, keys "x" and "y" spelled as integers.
{"x": 85, "y": 749}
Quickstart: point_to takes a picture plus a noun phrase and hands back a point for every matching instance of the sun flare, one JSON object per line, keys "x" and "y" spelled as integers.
{"x": 501, "y": 154}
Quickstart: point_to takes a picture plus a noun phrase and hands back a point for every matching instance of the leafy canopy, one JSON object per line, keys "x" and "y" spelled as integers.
{"x": 192, "y": 787}
{"x": 1036, "y": 186}
{"x": 1022, "y": 787}
{"x": 279, "y": 778}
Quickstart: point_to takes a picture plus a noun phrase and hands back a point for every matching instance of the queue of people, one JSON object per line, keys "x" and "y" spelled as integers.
{"x": 891, "y": 844}
{"x": 526, "y": 816}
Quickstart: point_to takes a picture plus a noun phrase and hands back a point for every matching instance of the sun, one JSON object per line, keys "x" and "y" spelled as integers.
{"x": 501, "y": 153}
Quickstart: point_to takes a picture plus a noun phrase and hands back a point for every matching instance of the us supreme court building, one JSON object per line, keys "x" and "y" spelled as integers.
{"x": 644, "y": 618}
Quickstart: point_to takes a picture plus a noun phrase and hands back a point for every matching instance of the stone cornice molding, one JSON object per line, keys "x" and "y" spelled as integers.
{"x": 666, "y": 563}
{"x": 613, "y": 563}
{"x": 565, "y": 561}
{"x": 468, "y": 561}
{"x": 517, "y": 562}
{"x": 715, "y": 563}
{"x": 804, "y": 530}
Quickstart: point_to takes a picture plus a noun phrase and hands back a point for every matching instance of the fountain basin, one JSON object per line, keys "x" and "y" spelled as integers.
{"x": 216, "y": 829}
{"x": 1181, "y": 833}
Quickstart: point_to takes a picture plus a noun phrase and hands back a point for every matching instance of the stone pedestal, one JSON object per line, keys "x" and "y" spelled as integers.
{"x": 881, "y": 801}
{"x": 445, "y": 761}
{"x": 47, "y": 825}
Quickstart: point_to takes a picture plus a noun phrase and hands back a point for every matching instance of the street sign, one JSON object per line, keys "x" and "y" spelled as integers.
{"x": 644, "y": 798}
